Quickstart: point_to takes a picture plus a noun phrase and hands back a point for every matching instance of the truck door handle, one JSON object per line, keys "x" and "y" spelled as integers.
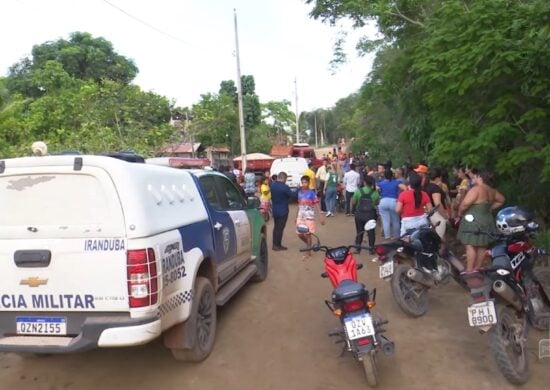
{"x": 218, "y": 226}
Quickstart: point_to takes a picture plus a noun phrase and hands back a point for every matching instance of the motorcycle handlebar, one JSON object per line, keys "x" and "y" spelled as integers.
{"x": 324, "y": 248}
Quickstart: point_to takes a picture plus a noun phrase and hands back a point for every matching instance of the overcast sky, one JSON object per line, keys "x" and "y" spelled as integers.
{"x": 194, "y": 50}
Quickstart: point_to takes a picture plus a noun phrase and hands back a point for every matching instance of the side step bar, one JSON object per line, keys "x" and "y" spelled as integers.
{"x": 230, "y": 288}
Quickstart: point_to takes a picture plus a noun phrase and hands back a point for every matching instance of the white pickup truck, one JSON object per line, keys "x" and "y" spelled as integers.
{"x": 99, "y": 252}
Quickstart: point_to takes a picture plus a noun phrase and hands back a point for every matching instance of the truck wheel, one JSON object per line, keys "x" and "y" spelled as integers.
{"x": 203, "y": 325}
{"x": 261, "y": 261}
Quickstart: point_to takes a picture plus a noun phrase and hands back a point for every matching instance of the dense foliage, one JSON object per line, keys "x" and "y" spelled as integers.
{"x": 457, "y": 82}
{"x": 76, "y": 95}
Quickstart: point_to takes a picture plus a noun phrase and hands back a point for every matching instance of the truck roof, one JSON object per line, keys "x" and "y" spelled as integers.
{"x": 154, "y": 198}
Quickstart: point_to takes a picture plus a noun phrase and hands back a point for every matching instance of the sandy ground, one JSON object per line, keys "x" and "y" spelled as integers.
{"x": 273, "y": 335}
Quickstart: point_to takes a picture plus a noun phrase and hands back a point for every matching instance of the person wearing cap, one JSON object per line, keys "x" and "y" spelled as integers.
{"x": 422, "y": 170}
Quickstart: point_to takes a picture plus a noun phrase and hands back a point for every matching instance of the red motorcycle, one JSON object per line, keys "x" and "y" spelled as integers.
{"x": 361, "y": 330}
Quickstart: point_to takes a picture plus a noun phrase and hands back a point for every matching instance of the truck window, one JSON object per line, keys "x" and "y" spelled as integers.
{"x": 296, "y": 153}
{"x": 309, "y": 154}
{"x": 209, "y": 187}
{"x": 232, "y": 194}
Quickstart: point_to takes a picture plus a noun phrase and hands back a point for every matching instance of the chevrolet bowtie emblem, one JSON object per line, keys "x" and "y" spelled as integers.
{"x": 33, "y": 281}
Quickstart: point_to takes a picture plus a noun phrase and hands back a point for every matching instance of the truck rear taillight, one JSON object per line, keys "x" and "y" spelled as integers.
{"x": 142, "y": 277}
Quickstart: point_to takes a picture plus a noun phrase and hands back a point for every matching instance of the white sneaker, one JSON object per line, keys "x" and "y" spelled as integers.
{"x": 329, "y": 214}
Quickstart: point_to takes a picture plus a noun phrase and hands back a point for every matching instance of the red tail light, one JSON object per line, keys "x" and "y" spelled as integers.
{"x": 353, "y": 306}
{"x": 364, "y": 341}
{"x": 380, "y": 250}
{"x": 142, "y": 277}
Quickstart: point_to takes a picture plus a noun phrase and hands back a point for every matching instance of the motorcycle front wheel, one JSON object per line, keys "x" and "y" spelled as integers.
{"x": 411, "y": 297}
{"x": 369, "y": 365}
{"x": 507, "y": 344}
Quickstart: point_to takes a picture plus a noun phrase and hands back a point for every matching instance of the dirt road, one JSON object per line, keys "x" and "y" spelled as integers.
{"x": 273, "y": 335}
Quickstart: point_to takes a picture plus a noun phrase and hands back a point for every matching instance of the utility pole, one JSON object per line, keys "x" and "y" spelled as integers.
{"x": 315, "y": 126}
{"x": 297, "y": 116}
{"x": 240, "y": 96}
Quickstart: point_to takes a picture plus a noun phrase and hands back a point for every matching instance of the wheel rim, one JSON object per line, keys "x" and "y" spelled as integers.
{"x": 204, "y": 319}
{"x": 510, "y": 332}
{"x": 412, "y": 293}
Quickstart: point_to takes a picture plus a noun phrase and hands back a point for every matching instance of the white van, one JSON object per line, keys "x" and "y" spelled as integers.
{"x": 294, "y": 167}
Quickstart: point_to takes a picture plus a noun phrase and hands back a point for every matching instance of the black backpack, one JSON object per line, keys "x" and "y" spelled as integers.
{"x": 365, "y": 208}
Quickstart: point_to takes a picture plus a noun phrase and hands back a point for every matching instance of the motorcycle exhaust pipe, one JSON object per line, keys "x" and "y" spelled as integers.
{"x": 388, "y": 347}
{"x": 505, "y": 292}
{"x": 420, "y": 277}
{"x": 455, "y": 262}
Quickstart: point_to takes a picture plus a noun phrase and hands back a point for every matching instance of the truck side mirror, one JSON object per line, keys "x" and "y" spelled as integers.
{"x": 252, "y": 202}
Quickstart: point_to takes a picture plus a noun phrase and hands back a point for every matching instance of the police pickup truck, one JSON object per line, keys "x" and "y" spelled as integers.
{"x": 99, "y": 252}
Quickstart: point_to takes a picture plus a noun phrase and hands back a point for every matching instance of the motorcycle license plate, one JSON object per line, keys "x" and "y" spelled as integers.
{"x": 482, "y": 314}
{"x": 359, "y": 326}
{"x": 386, "y": 270}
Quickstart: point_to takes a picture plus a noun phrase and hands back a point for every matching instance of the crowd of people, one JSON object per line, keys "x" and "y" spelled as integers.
{"x": 398, "y": 197}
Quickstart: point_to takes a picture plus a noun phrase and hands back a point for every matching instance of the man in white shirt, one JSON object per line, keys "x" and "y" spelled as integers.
{"x": 351, "y": 183}
{"x": 320, "y": 178}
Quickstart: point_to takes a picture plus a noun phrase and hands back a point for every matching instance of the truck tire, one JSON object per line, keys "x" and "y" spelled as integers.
{"x": 261, "y": 261}
{"x": 203, "y": 317}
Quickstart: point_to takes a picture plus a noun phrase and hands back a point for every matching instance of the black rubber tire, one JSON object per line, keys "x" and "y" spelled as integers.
{"x": 402, "y": 288}
{"x": 514, "y": 366}
{"x": 542, "y": 278}
{"x": 203, "y": 313}
{"x": 262, "y": 261}
{"x": 371, "y": 371}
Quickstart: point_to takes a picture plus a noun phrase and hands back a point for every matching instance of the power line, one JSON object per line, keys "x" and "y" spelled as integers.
{"x": 148, "y": 24}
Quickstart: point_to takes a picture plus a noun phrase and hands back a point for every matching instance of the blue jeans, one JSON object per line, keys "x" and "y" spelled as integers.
{"x": 391, "y": 223}
{"x": 330, "y": 199}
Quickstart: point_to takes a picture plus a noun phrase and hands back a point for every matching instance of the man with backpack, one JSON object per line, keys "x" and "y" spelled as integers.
{"x": 364, "y": 201}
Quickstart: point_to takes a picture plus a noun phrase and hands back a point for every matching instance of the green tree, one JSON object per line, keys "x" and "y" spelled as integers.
{"x": 68, "y": 111}
{"x": 83, "y": 57}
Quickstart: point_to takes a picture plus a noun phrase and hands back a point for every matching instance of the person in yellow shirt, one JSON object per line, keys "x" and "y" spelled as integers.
{"x": 309, "y": 173}
{"x": 265, "y": 198}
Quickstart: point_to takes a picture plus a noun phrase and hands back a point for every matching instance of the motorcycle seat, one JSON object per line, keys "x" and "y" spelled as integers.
{"x": 348, "y": 289}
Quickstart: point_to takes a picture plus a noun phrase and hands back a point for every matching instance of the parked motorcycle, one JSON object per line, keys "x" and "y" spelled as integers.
{"x": 413, "y": 265}
{"x": 361, "y": 330}
{"x": 512, "y": 292}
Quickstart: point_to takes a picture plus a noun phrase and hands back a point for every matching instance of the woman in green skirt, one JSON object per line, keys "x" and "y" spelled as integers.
{"x": 479, "y": 201}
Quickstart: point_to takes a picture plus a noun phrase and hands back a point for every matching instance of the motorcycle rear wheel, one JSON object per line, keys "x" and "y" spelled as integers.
{"x": 369, "y": 365}
{"x": 411, "y": 297}
{"x": 510, "y": 353}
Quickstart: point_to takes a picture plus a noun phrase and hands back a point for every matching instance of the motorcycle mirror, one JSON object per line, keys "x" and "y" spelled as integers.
{"x": 370, "y": 225}
{"x": 469, "y": 218}
{"x": 302, "y": 229}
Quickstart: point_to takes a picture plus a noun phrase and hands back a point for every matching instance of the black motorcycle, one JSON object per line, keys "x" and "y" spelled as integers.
{"x": 413, "y": 265}
{"x": 512, "y": 292}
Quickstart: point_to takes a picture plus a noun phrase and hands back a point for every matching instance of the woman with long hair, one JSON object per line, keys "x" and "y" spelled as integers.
{"x": 480, "y": 201}
{"x": 389, "y": 191}
{"x": 412, "y": 205}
